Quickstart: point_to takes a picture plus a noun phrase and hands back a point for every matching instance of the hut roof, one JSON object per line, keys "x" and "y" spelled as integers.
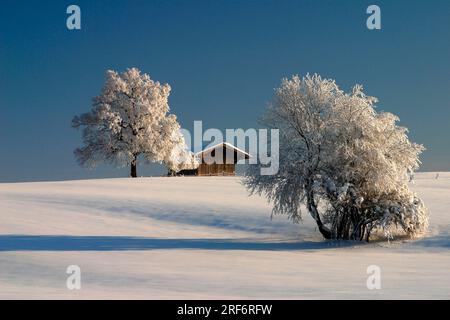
{"x": 225, "y": 145}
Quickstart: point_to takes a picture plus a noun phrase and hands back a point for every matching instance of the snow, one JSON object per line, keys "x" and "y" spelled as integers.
{"x": 227, "y": 145}
{"x": 201, "y": 237}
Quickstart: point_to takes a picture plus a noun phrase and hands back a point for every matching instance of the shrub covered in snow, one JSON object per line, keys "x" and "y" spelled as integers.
{"x": 180, "y": 158}
{"x": 347, "y": 163}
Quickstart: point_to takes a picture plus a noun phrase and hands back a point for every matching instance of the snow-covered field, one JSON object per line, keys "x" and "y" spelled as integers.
{"x": 201, "y": 237}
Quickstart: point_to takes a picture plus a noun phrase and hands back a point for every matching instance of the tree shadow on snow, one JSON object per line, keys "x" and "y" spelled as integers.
{"x": 440, "y": 241}
{"x": 123, "y": 243}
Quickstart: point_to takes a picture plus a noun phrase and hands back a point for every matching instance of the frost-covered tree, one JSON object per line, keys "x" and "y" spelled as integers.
{"x": 346, "y": 163}
{"x": 128, "y": 119}
{"x": 180, "y": 158}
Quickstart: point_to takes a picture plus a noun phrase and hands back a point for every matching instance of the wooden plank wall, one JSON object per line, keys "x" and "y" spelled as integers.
{"x": 216, "y": 169}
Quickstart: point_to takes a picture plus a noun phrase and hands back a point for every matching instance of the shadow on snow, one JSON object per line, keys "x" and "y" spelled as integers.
{"x": 122, "y": 243}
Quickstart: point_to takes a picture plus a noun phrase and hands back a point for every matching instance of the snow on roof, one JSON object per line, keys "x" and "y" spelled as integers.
{"x": 227, "y": 145}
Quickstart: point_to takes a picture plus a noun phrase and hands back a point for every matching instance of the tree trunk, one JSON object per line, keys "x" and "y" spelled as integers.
{"x": 133, "y": 173}
{"x": 312, "y": 208}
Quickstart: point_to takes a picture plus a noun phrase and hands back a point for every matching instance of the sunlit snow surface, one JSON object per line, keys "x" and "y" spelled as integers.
{"x": 201, "y": 237}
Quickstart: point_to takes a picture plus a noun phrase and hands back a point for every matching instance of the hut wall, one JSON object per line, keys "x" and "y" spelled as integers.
{"x": 216, "y": 169}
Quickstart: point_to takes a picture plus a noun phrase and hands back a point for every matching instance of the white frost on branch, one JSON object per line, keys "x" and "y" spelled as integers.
{"x": 180, "y": 158}
{"x": 347, "y": 163}
{"x": 128, "y": 119}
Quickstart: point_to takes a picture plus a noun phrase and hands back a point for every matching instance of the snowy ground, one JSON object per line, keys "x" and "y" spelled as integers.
{"x": 200, "y": 238}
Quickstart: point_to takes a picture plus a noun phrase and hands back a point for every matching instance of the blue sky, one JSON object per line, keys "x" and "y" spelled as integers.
{"x": 222, "y": 59}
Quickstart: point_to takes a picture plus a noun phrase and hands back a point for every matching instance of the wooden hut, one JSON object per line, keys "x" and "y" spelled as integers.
{"x": 217, "y": 160}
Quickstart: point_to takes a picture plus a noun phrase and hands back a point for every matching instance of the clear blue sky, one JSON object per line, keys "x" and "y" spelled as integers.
{"x": 222, "y": 59}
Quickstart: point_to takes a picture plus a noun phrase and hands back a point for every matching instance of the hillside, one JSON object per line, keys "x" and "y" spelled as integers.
{"x": 189, "y": 237}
